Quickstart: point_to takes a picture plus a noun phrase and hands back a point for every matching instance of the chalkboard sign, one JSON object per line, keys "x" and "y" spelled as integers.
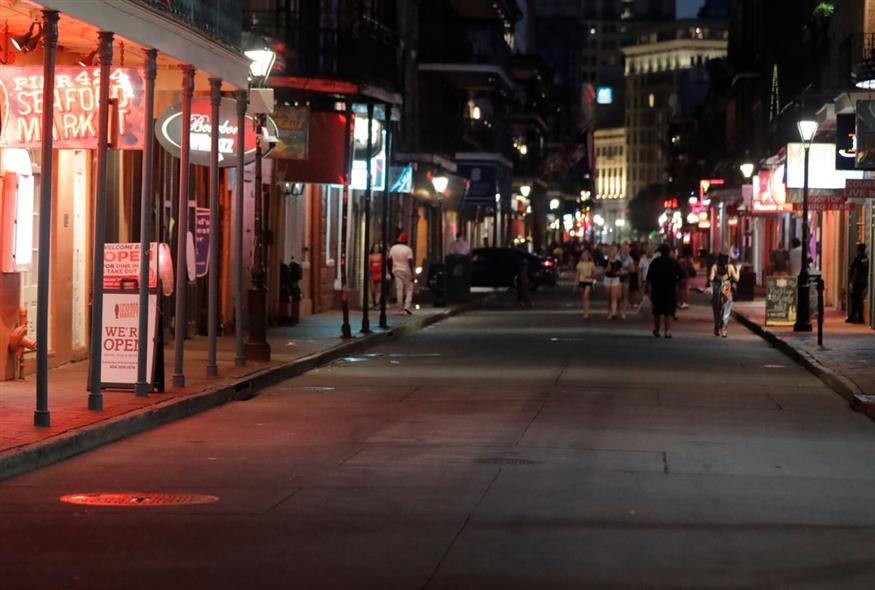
{"x": 780, "y": 301}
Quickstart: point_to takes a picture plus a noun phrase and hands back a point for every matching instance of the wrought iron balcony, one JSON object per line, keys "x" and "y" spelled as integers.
{"x": 367, "y": 53}
{"x": 220, "y": 19}
{"x": 862, "y": 58}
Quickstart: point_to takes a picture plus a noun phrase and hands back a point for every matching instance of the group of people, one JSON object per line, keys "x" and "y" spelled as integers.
{"x": 630, "y": 272}
{"x": 399, "y": 268}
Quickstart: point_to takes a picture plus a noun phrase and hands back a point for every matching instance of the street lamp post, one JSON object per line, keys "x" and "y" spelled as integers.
{"x": 257, "y": 347}
{"x": 807, "y": 131}
{"x": 746, "y": 171}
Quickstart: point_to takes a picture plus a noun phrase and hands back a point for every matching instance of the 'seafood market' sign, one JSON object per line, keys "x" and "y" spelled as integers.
{"x": 75, "y": 106}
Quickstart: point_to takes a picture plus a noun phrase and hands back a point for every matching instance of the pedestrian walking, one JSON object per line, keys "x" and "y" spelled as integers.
{"x": 402, "y": 271}
{"x": 522, "y": 282}
{"x": 689, "y": 267}
{"x": 722, "y": 278}
{"x": 377, "y": 270}
{"x": 859, "y": 280}
{"x": 627, "y": 268}
{"x": 662, "y": 279}
{"x": 613, "y": 271}
{"x": 585, "y": 279}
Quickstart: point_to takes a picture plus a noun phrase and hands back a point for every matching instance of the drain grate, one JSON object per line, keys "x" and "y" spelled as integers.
{"x": 504, "y": 461}
{"x": 137, "y": 499}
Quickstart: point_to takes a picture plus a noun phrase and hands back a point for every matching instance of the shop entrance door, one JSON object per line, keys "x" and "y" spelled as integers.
{"x": 80, "y": 245}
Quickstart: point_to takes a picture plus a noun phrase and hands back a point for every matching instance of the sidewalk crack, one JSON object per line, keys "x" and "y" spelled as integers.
{"x": 458, "y": 534}
{"x": 532, "y": 421}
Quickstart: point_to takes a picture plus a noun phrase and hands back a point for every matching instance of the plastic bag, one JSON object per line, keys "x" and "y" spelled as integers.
{"x": 645, "y": 308}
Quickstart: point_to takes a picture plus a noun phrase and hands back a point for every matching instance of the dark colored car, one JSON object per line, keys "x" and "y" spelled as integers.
{"x": 498, "y": 267}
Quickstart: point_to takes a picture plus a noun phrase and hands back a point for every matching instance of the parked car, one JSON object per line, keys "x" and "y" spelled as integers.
{"x": 498, "y": 267}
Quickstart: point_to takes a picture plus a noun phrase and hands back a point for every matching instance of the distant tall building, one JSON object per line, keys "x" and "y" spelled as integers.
{"x": 666, "y": 80}
{"x": 715, "y": 9}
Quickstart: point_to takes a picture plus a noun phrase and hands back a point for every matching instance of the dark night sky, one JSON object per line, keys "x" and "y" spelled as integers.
{"x": 688, "y": 8}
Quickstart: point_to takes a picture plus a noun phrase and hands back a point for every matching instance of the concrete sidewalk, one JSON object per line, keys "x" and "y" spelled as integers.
{"x": 844, "y": 362}
{"x": 294, "y": 350}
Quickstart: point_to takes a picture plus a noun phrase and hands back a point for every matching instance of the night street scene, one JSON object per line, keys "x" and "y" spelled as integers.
{"x": 437, "y": 294}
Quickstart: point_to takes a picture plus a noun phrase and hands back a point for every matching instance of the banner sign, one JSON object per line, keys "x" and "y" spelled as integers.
{"x": 822, "y": 173}
{"x": 865, "y": 135}
{"x": 293, "y": 129}
{"x": 202, "y": 241}
{"x": 168, "y": 130}
{"x": 846, "y": 141}
{"x": 121, "y": 266}
{"x": 860, "y": 189}
{"x": 75, "y": 106}
{"x": 817, "y": 203}
{"x": 120, "y": 338}
{"x": 484, "y": 182}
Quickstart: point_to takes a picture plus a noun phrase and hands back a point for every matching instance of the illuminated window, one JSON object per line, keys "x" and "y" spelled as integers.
{"x": 651, "y": 100}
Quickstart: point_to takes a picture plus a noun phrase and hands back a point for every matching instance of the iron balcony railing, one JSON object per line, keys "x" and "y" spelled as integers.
{"x": 221, "y": 20}
{"x": 366, "y": 53}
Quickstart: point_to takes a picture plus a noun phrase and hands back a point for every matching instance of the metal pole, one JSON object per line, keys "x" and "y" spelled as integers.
{"x": 42, "y": 416}
{"x": 257, "y": 348}
{"x": 142, "y": 387}
{"x": 95, "y": 395}
{"x": 803, "y": 311}
{"x": 237, "y": 249}
{"x": 366, "y": 322}
{"x": 179, "y": 321}
{"x": 345, "y": 329}
{"x": 384, "y": 238}
{"x": 213, "y": 295}
{"x": 820, "y": 312}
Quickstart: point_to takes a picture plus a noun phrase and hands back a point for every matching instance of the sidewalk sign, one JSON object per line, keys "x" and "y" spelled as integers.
{"x": 121, "y": 315}
{"x": 202, "y": 241}
{"x": 780, "y": 301}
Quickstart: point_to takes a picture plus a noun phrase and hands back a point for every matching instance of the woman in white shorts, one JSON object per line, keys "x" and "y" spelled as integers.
{"x": 613, "y": 271}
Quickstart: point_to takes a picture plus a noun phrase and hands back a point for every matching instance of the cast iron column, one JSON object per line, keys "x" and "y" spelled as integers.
{"x": 384, "y": 238}
{"x": 366, "y": 272}
{"x": 257, "y": 348}
{"x": 237, "y": 248}
{"x": 142, "y": 386}
{"x": 345, "y": 328}
{"x": 179, "y": 320}
{"x": 213, "y": 295}
{"x": 42, "y": 416}
{"x": 95, "y": 395}
{"x": 803, "y": 309}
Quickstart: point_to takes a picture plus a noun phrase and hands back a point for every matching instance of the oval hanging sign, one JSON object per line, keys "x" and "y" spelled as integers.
{"x": 168, "y": 129}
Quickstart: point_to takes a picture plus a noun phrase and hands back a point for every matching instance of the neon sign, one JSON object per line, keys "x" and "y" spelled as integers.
{"x": 168, "y": 130}
{"x": 75, "y": 106}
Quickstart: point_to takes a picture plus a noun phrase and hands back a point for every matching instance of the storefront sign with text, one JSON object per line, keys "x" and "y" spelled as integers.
{"x": 75, "y": 106}
{"x": 168, "y": 130}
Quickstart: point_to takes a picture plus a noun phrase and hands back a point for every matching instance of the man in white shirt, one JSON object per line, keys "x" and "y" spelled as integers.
{"x": 402, "y": 270}
{"x": 460, "y": 246}
{"x": 796, "y": 258}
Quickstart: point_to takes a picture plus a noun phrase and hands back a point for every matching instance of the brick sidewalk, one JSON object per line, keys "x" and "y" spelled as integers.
{"x": 68, "y": 396}
{"x": 847, "y": 351}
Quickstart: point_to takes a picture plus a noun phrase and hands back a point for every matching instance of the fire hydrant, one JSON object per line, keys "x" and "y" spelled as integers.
{"x": 19, "y": 343}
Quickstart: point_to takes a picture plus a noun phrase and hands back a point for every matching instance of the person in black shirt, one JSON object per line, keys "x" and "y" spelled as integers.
{"x": 662, "y": 279}
{"x": 859, "y": 280}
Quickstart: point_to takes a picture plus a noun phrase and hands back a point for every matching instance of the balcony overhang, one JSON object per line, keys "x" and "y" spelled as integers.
{"x": 149, "y": 28}
{"x": 529, "y": 120}
{"x": 339, "y": 88}
{"x": 472, "y": 76}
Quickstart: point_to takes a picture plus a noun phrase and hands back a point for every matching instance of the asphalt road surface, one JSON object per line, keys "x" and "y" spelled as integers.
{"x": 502, "y": 449}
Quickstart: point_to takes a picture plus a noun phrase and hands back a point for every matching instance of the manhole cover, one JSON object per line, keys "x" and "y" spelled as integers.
{"x": 505, "y": 461}
{"x": 137, "y": 499}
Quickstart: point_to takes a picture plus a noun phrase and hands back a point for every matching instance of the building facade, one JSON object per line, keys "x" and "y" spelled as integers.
{"x": 610, "y": 185}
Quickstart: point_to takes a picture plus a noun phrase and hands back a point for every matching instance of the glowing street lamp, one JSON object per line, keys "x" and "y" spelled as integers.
{"x": 525, "y": 190}
{"x": 440, "y": 183}
{"x": 746, "y": 169}
{"x": 807, "y": 131}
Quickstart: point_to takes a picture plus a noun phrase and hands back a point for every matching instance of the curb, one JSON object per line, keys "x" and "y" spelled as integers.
{"x": 859, "y": 401}
{"x": 74, "y": 442}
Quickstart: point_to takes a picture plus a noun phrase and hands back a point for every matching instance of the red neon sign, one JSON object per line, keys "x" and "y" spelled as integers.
{"x": 75, "y": 106}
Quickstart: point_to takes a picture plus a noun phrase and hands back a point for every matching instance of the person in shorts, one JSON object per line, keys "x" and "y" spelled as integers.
{"x": 585, "y": 279}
